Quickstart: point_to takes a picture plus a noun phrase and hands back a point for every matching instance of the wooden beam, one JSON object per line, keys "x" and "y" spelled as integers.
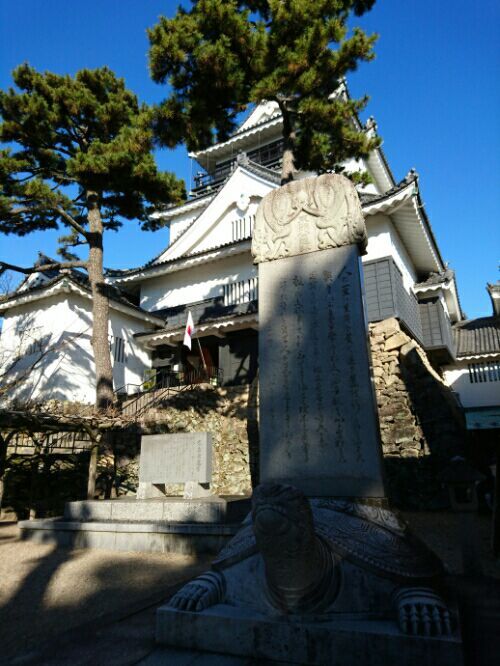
{"x": 94, "y": 457}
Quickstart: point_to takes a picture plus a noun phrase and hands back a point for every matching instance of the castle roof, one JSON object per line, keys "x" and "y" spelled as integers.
{"x": 76, "y": 282}
{"x": 477, "y": 337}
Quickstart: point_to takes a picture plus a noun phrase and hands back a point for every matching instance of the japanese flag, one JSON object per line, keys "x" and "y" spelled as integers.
{"x": 189, "y": 332}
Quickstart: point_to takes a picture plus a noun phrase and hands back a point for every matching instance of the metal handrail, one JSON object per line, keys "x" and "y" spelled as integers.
{"x": 168, "y": 381}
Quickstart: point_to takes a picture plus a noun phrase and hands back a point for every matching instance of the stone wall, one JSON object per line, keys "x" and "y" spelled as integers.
{"x": 421, "y": 423}
{"x": 230, "y": 415}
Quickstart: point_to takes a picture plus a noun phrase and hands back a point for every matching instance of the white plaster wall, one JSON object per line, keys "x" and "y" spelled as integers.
{"x": 206, "y": 280}
{"x": 220, "y": 231}
{"x": 181, "y": 222}
{"x": 66, "y": 369}
{"x": 195, "y": 284}
{"x": 482, "y": 394}
{"x": 384, "y": 241}
{"x": 137, "y": 359}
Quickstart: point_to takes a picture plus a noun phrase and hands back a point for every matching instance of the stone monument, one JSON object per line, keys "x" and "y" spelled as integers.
{"x": 322, "y": 571}
{"x": 199, "y": 522}
{"x": 175, "y": 458}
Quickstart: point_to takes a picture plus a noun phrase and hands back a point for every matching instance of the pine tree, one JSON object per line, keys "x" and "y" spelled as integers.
{"x": 222, "y": 55}
{"x": 78, "y": 157}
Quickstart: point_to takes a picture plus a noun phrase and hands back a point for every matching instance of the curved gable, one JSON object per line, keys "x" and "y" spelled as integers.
{"x": 227, "y": 218}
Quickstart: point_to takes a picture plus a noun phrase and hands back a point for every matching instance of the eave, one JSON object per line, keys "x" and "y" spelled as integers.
{"x": 219, "y": 152}
{"x": 184, "y": 262}
{"x": 187, "y": 207}
{"x": 217, "y": 328}
{"x": 406, "y": 211}
{"x": 66, "y": 286}
{"x": 478, "y": 357}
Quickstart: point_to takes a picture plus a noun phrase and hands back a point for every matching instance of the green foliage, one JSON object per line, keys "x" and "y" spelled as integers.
{"x": 69, "y": 137}
{"x": 222, "y": 55}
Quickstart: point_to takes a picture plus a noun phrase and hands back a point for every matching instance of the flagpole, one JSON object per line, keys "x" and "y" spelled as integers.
{"x": 202, "y": 357}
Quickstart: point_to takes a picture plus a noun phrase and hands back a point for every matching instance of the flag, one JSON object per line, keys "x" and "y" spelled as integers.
{"x": 189, "y": 332}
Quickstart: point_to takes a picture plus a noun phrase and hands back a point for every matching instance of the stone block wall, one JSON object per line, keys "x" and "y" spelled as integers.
{"x": 421, "y": 423}
{"x": 230, "y": 415}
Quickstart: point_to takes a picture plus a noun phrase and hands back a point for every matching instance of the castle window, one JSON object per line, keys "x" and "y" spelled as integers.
{"x": 242, "y": 227}
{"x": 484, "y": 372}
{"x": 119, "y": 350}
{"x": 241, "y": 292}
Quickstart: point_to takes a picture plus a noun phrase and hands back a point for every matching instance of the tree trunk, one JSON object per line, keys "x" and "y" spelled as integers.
{"x": 34, "y": 485}
{"x": 100, "y": 309}
{"x": 4, "y": 441}
{"x": 94, "y": 457}
{"x": 288, "y": 169}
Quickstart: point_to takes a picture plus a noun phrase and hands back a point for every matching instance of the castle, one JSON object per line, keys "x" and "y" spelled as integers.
{"x": 207, "y": 269}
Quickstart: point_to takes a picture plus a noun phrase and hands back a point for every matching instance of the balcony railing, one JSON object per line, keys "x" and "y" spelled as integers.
{"x": 269, "y": 155}
{"x": 244, "y": 291}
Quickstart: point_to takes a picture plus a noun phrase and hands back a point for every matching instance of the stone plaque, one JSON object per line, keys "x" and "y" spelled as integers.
{"x": 177, "y": 458}
{"x": 318, "y": 423}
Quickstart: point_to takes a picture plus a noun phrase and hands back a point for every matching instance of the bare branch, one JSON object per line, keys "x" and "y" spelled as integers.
{"x": 54, "y": 265}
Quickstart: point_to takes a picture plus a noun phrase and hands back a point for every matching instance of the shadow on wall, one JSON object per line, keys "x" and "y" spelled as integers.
{"x": 415, "y": 482}
{"x": 60, "y": 368}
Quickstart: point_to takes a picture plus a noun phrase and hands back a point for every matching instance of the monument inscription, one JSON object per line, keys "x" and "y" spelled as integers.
{"x": 176, "y": 458}
{"x": 314, "y": 377}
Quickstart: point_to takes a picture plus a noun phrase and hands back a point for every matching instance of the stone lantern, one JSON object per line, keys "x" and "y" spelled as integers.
{"x": 461, "y": 480}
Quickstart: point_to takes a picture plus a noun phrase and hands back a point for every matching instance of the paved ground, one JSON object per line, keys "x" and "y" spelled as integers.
{"x": 90, "y": 607}
{"x": 47, "y": 591}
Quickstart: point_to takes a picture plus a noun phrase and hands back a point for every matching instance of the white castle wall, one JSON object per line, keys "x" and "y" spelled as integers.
{"x": 64, "y": 368}
{"x": 195, "y": 284}
{"x": 482, "y": 394}
{"x": 384, "y": 241}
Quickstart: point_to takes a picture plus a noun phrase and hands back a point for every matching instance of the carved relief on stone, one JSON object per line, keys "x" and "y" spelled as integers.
{"x": 308, "y": 215}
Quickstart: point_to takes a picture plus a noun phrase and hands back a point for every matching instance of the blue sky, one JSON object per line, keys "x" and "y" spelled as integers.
{"x": 434, "y": 93}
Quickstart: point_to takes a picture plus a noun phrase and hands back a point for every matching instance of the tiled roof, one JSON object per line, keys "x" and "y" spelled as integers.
{"x": 437, "y": 278}
{"x": 80, "y": 280}
{"x": 188, "y": 255}
{"x": 205, "y": 312}
{"x": 212, "y": 309}
{"x": 477, "y": 336}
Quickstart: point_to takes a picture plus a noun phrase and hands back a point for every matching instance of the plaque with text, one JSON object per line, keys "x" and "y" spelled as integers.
{"x": 318, "y": 421}
{"x": 176, "y": 458}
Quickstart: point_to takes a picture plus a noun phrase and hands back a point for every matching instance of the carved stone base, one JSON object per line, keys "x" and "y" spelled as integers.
{"x": 349, "y": 641}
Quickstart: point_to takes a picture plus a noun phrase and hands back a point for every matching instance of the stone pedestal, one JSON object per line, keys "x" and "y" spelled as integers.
{"x": 346, "y": 641}
{"x": 167, "y": 525}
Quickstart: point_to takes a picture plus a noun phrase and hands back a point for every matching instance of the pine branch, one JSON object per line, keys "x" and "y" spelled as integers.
{"x": 72, "y": 222}
{"x": 54, "y": 265}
